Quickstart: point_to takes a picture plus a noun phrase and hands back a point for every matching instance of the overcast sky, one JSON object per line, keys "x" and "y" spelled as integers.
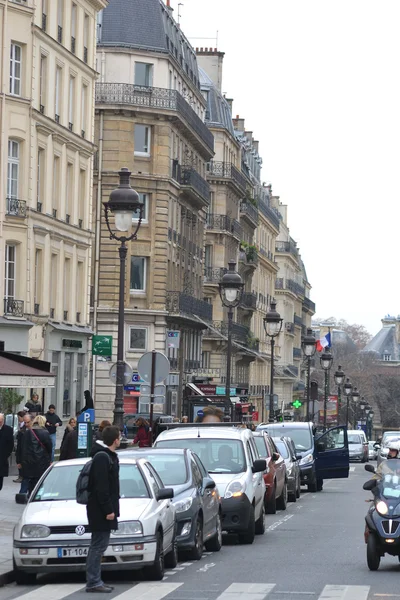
{"x": 318, "y": 83}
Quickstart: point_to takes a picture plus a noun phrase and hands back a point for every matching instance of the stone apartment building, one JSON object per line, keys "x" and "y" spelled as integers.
{"x": 46, "y": 149}
{"x": 150, "y": 118}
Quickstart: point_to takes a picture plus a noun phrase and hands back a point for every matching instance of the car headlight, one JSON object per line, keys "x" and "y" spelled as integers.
{"x": 306, "y": 459}
{"x": 235, "y": 489}
{"x": 129, "y": 528}
{"x": 183, "y": 505}
{"x": 35, "y": 531}
{"x": 382, "y": 508}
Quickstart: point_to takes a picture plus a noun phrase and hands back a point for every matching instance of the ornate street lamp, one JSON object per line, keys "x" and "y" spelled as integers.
{"x": 123, "y": 203}
{"x": 326, "y": 360}
{"x": 309, "y": 349}
{"x": 339, "y": 379}
{"x": 355, "y": 397}
{"x": 348, "y": 389}
{"x": 273, "y": 327}
{"x": 231, "y": 290}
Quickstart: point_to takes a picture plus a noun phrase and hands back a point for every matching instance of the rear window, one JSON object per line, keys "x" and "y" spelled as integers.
{"x": 217, "y": 455}
{"x": 171, "y": 468}
{"x": 301, "y": 436}
{"x": 354, "y": 438}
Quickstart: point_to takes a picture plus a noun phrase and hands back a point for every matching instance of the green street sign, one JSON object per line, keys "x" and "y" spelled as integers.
{"x": 102, "y": 345}
{"x": 297, "y": 404}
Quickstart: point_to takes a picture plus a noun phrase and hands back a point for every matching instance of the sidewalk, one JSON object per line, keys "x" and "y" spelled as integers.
{"x": 9, "y": 516}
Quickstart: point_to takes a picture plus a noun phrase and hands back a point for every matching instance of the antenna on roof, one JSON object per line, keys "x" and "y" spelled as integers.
{"x": 179, "y": 11}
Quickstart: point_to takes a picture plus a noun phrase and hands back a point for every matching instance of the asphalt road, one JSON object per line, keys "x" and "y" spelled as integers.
{"x": 313, "y": 550}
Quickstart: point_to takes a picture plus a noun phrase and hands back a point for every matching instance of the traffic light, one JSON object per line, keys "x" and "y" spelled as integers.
{"x": 314, "y": 390}
{"x": 297, "y": 404}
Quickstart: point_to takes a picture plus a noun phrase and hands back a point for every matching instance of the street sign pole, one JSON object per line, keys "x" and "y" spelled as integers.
{"x": 152, "y": 386}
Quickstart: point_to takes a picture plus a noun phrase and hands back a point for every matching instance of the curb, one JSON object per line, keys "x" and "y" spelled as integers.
{"x": 6, "y": 578}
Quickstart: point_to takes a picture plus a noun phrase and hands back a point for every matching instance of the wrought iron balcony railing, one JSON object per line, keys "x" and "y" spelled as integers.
{"x": 178, "y": 303}
{"x": 298, "y": 320}
{"x": 214, "y": 274}
{"x": 307, "y": 303}
{"x": 249, "y": 300}
{"x": 13, "y": 307}
{"x": 288, "y": 247}
{"x": 227, "y": 171}
{"x": 267, "y": 253}
{"x": 224, "y": 223}
{"x": 272, "y": 214}
{"x": 250, "y": 211}
{"x": 152, "y": 97}
{"x": 240, "y": 333}
{"x": 289, "y": 284}
{"x": 191, "y": 178}
{"x": 16, "y": 208}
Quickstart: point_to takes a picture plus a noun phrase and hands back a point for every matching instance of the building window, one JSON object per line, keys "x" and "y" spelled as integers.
{"x": 80, "y": 288}
{"x": 83, "y": 109}
{"x": 43, "y": 76}
{"x": 56, "y": 186}
{"x": 67, "y": 289}
{"x": 138, "y": 273}
{"x": 15, "y": 69}
{"x": 145, "y": 199}
{"x": 60, "y": 12}
{"x": 99, "y": 25}
{"x": 13, "y": 169}
{"x": 73, "y": 28}
{"x": 69, "y": 191}
{"x": 143, "y": 74}
{"x": 85, "y": 38}
{"x": 142, "y": 140}
{"x": 67, "y": 384}
{"x": 71, "y": 103}
{"x": 79, "y": 382}
{"x": 82, "y": 195}
{"x": 38, "y": 281}
{"x": 53, "y": 284}
{"x": 40, "y": 179}
{"x": 206, "y": 359}
{"x": 10, "y": 268}
{"x": 387, "y": 357}
{"x": 58, "y": 93}
{"x": 137, "y": 338}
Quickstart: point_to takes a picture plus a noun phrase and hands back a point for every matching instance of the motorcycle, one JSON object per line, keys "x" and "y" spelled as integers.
{"x": 382, "y": 531}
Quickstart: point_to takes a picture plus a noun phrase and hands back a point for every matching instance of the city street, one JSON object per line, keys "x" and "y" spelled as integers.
{"x": 313, "y": 550}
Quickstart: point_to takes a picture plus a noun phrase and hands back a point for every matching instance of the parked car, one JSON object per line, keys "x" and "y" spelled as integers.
{"x": 363, "y": 435}
{"x": 383, "y": 449}
{"x": 356, "y": 446}
{"x": 196, "y": 499}
{"x": 53, "y": 536}
{"x": 276, "y": 491}
{"x": 322, "y": 457}
{"x": 372, "y": 450}
{"x": 288, "y": 452}
{"x": 230, "y": 456}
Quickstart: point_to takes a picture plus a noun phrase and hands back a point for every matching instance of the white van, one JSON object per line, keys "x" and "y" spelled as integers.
{"x": 230, "y": 456}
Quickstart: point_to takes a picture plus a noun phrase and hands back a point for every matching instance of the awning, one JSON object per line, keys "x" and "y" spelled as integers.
{"x": 18, "y": 371}
{"x": 71, "y": 328}
{"x": 195, "y": 389}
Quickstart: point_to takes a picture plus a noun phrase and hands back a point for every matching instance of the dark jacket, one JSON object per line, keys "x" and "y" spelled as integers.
{"x": 103, "y": 489}
{"x": 142, "y": 436}
{"x": 69, "y": 446}
{"x": 52, "y": 418}
{"x": 35, "y": 453}
{"x": 88, "y": 401}
{"x": 34, "y": 408}
{"x": 6, "y": 447}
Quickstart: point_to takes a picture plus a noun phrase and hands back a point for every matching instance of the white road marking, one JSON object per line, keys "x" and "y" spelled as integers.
{"x": 148, "y": 591}
{"x": 352, "y": 469}
{"x": 280, "y": 522}
{"x": 53, "y": 591}
{"x": 247, "y": 591}
{"x": 206, "y": 568}
{"x": 345, "y": 592}
{"x": 170, "y": 572}
{"x": 186, "y": 564}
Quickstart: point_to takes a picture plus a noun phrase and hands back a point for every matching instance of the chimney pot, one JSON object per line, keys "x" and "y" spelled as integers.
{"x": 237, "y": 116}
{"x": 215, "y": 50}
{"x": 201, "y": 49}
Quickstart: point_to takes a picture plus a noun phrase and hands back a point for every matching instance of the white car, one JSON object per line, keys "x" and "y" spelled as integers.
{"x": 53, "y": 535}
{"x": 230, "y": 456}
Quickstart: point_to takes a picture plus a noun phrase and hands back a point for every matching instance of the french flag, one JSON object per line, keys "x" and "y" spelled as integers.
{"x": 324, "y": 342}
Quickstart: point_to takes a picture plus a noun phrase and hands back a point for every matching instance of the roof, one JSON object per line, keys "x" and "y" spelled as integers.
{"x": 218, "y": 111}
{"x": 227, "y": 433}
{"x": 71, "y": 328}
{"x": 385, "y": 343}
{"x": 8, "y": 322}
{"x": 83, "y": 460}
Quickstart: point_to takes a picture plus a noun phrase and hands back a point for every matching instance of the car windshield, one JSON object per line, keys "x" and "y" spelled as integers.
{"x": 354, "y": 438}
{"x": 171, "y": 468}
{"x": 282, "y": 448}
{"x": 389, "y": 484}
{"x": 217, "y": 455}
{"x": 60, "y": 483}
{"x": 301, "y": 437}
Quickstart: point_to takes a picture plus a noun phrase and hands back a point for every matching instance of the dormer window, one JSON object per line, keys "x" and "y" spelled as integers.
{"x": 387, "y": 357}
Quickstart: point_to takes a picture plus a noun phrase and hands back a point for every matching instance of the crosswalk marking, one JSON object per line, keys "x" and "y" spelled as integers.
{"x": 345, "y": 592}
{"x": 52, "y": 591}
{"x": 148, "y": 591}
{"x": 247, "y": 591}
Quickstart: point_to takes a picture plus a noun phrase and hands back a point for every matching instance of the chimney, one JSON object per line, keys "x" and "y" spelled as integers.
{"x": 169, "y": 7}
{"x": 211, "y": 61}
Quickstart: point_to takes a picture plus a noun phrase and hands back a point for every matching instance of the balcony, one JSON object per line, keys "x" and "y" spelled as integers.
{"x": 240, "y": 333}
{"x": 194, "y": 184}
{"x": 16, "y": 208}
{"x": 266, "y": 253}
{"x": 157, "y": 98}
{"x": 248, "y": 301}
{"x": 213, "y": 274}
{"x": 248, "y": 257}
{"x": 290, "y": 285}
{"x": 178, "y": 303}
{"x": 13, "y": 308}
{"x": 249, "y": 212}
{"x": 270, "y": 213}
{"x": 297, "y": 353}
{"x": 309, "y": 305}
{"x": 287, "y": 248}
{"x": 298, "y": 321}
{"x": 226, "y": 170}
{"x": 224, "y": 223}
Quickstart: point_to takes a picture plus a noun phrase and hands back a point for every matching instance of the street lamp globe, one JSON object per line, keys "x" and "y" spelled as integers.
{"x": 308, "y": 344}
{"x": 347, "y": 388}
{"x": 339, "y": 376}
{"x": 123, "y": 203}
{"x": 326, "y": 360}
{"x": 355, "y": 395}
{"x": 272, "y": 321}
{"x": 363, "y": 403}
{"x": 231, "y": 287}
{"x": 371, "y": 415}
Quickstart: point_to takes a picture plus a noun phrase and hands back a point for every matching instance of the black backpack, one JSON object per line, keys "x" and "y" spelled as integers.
{"x": 82, "y": 483}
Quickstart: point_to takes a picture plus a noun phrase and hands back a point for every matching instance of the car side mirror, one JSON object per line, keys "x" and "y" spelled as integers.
{"x": 165, "y": 494}
{"x": 21, "y": 498}
{"x": 369, "y": 468}
{"x": 298, "y": 457}
{"x": 208, "y": 483}
{"x": 259, "y": 465}
{"x": 320, "y": 447}
{"x": 275, "y": 456}
{"x": 377, "y": 446}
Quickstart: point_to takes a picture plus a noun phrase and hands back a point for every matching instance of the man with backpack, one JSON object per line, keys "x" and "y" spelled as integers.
{"x": 102, "y": 504}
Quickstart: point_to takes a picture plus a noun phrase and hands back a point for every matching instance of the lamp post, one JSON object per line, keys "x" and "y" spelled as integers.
{"x": 370, "y": 421}
{"x": 273, "y": 327}
{"x": 355, "y": 397}
{"x": 339, "y": 379}
{"x": 123, "y": 203}
{"x": 309, "y": 349}
{"x": 231, "y": 290}
{"x": 347, "y": 388}
{"x": 326, "y": 360}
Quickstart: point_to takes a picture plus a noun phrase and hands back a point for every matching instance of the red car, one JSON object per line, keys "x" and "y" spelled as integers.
{"x": 275, "y": 477}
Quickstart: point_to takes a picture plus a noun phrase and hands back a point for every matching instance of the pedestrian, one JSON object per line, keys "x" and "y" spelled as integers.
{"x": 36, "y": 449}
{"x": 102, "y": 426}
{"x": 185, "y": 419}
{"x": 142, "y": 434}
{"x": 69, "y": 444}
{"x": 28, "y": 420}
{"x": 21, "y": 424}
{"x": 6, "y": 447}
{"x": 34, "y": 406}
{"x": 88, "y": 401}
{"x": 103, "y": 505}
{"x": 211, "y": 414}
{"x": 52, "y": 422}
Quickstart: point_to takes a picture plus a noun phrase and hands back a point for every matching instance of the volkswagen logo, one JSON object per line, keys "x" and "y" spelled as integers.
{"x": 80, "y": 530}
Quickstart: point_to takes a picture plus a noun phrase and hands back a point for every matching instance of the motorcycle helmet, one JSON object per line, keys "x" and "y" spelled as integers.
{"x": 394, "y": 448}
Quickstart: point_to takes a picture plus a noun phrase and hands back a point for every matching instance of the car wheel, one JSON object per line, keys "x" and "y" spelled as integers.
{"x": 270, "y": 504}
{"x": 320, "y": 485}
{"x": 292, "y": 497}
{"x": 22, "y": 578}
{"x": 281, "y": 503}
{"x": 373, "y": 553}
{"x": 247, "y": 537}
{"x": 215, "y": 544}
{"x": 260, "y": 523}
{"x": 197, "y": 552}
{"x": 156, "y": 572}
{"x": 171, "y": 559}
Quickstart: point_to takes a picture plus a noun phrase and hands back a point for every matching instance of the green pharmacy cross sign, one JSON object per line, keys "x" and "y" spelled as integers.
{"x": 102, "y": 345}
{"x": 297, "y": 404}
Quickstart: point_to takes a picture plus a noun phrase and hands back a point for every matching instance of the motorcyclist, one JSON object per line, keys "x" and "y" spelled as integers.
{"x": 384, "y": 468}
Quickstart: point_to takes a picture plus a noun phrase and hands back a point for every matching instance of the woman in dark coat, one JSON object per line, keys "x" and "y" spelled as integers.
{"x": 6, "y": 447}
{"x": 142, "y": 435}
{"x": 36, "y": 449}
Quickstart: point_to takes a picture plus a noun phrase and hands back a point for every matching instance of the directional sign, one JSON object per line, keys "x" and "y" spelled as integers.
{"x": 128, "y": 371}
{"x": 161, "y": 369}
{"x": 102, "y": 345}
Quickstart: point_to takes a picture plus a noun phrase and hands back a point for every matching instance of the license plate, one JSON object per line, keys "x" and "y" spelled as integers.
{"x": 73, "y": 552}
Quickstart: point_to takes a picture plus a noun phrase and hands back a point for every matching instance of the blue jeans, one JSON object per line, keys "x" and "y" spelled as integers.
{"x": 24, "y": 486}
{"x": 53, "y": 437}
{"x": 98, "y": 545}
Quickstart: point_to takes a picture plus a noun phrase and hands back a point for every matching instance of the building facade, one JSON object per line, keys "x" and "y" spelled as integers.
{"x": 46, "y": 149}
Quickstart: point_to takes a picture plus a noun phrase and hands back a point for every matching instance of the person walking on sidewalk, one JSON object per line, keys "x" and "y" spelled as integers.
{"x": 103, "y": 505}
{"x": 28, "y": 420}
{"x": 36, "y": 450}
{"x": 6, "y": 447}
{"x": 52, "y": 422}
